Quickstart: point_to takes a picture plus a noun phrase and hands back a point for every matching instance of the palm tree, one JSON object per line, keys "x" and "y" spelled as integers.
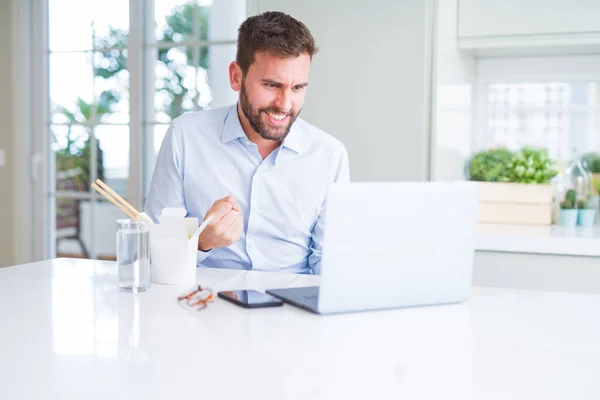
{"x": 73, "y": 160}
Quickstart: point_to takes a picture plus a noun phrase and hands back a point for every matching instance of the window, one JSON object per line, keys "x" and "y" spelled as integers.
{"x": 551, "y": 102}
{"x": 191, "y": 47}
{"x": 560, "y": 116}
{"x": 116, "y": 80}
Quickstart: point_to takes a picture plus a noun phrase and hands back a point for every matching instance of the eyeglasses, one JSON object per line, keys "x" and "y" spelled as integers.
{"x": 197, "y": 299}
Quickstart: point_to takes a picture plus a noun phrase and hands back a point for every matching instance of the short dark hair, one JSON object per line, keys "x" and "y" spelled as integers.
{"x": 275, "y": 33}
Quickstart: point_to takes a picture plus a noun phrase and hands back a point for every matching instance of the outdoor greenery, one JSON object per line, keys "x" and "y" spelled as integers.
{"x": 74, "y": 155}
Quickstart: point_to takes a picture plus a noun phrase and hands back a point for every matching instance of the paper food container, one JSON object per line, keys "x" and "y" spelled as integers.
{"x": 174, "y": 248}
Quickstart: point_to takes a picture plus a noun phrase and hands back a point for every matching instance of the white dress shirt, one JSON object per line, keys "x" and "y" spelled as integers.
{"x": 206, "y": 156}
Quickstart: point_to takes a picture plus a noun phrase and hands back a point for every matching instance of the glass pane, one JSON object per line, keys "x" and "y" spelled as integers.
{"x": 159, "y": 134}
{"x": 213, "y": 86}
{"x": 112, "y": 86}
{"x": 180, "y": 87}
{"x": 113, "y": 167}
{"x": 174, "y": 20}
{"x": 580, "y": 94}
{"x": 71, "y": 147}
{"x": 111, "y": 23}
{"x": 71, "y": 87}
{"x": 101, "y": 234}
{"x": 174, "y": 83}
{"x": 77, "y": 33}
{"x": 69, "y": 224}
{"x": 529, "y": 94}
{"x": 220, "y": 19}
{"x": 154, "y": 137}
{"x": 84, "y": 20}
{"x": 86, "y": 228}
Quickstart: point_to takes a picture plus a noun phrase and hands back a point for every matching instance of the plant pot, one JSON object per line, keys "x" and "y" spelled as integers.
{"x": 586, "y": 217}
{"x": 515, "y": 203}
{"x": 568, "y": 217}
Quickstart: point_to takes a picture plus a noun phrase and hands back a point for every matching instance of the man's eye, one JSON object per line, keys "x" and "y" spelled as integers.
{"x": 271, "y": 84}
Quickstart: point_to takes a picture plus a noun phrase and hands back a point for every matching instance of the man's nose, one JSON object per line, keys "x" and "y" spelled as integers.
{"x": 284, "y": 100}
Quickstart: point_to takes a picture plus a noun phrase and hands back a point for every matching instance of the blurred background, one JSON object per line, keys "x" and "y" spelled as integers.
{"x": 412, "y": 88}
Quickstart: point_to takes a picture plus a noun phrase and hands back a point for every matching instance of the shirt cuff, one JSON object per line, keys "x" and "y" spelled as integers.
{"x": 202, "y": 255}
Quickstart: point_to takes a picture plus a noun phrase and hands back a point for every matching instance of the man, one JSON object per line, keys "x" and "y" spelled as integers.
{"x": 268, "y": 170}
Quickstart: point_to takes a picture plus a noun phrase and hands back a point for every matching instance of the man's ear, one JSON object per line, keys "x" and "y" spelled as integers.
{"x": 235, "y": 76}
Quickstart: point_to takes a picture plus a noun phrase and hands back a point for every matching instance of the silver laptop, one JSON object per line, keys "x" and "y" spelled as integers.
{"x": 392, "y": 245}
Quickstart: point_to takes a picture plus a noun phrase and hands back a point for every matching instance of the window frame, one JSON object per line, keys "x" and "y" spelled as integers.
{"x": 35, "y": 204}
{"x": 531, "y": 70}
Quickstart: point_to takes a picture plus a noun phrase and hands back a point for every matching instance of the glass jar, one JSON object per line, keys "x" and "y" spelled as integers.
{"x": 133, "y": 255}
{"x": 577, "y": 178}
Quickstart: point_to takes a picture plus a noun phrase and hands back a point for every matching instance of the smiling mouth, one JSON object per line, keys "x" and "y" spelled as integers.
{"x": 277, "y": 118}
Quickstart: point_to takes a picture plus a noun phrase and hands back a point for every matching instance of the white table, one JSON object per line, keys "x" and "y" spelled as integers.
{"x": 66, "y": 332}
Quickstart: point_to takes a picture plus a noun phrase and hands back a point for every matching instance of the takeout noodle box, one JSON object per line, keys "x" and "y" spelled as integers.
{"x": 174, "y": 248}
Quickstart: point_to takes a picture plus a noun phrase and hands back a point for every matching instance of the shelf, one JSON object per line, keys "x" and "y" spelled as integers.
{"x": 552, "y": 239}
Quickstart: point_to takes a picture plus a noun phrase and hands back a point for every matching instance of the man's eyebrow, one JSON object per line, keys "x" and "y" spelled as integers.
{"x": 273, "y": 82}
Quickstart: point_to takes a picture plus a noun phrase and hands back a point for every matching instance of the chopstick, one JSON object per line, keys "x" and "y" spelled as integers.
{"x": 119, "y": 198}
{"x": 115, "y": 202}
{"x": 115, "y": 199}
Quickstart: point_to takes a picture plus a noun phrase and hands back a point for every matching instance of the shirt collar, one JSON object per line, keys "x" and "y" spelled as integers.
{"x": 233, "y": 130}
{"x": 295, "y": 139}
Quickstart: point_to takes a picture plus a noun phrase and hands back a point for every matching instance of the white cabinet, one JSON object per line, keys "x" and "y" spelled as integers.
{"x": 551, "y": 26}
{"x": 483, "y": 18}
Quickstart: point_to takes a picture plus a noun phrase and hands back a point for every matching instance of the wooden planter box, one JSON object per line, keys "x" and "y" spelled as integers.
{"x": 515, "y": 203}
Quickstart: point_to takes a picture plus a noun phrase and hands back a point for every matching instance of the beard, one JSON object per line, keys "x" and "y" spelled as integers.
{"x": 254, "y": 116}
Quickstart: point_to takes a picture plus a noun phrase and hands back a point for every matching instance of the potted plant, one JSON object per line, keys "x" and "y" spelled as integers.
{"x": 515, "y": 186}
{"x": 490, "y": 165}
{"x": 531, "y": 165}
{"x": 568, "y": 210}
{"x": 586, "y": 212}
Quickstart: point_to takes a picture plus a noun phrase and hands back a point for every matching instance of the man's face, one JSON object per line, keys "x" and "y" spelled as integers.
{"x": 272, "y": 93}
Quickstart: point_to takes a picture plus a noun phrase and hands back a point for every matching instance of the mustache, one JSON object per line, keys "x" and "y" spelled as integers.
{"x": 276, "y": 110}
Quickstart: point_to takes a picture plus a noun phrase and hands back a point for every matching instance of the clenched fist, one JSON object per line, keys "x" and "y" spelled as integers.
{"x": 225, "y": 227}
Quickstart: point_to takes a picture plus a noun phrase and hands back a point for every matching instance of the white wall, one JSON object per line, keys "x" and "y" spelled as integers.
{"x": 6, "y": 142}
{"x": 455, "y": 75}
{"x": 369, "y": 84}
